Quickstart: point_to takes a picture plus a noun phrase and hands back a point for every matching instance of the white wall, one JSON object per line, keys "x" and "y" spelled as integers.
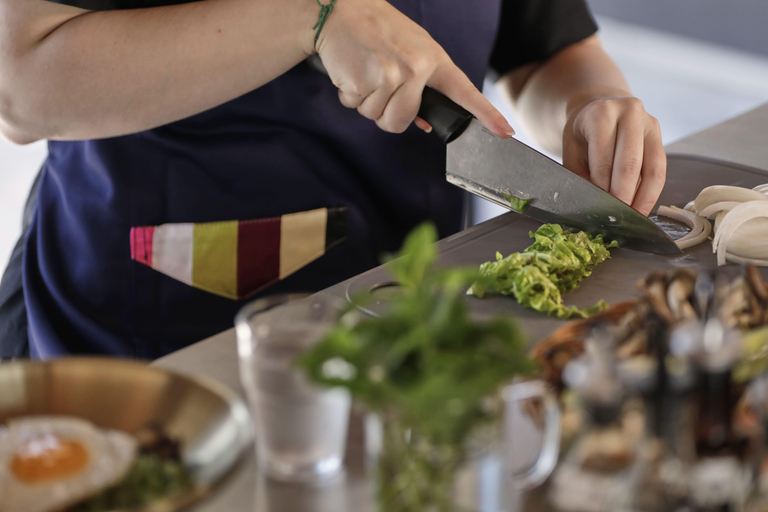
{"x": 687, "y": 84}
{"x": 18, "y": 167}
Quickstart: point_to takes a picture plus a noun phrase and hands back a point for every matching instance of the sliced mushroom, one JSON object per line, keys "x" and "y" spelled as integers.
{"x": 679, "y": 293}
{"x": 752, "y": 310}
{"x": 636, "y": 344}
{"x": 669, "y": 299}
{"x": 756, "y": 311}
{"x": 656, "y": 294}
{"x": 756, "y": 284}
{"x": 652, "y": 277}
{"x": 733, "y": 302}
{"x": 703, "y": 294}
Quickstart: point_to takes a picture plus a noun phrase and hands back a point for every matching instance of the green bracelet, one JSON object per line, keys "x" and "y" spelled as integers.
{"x": 325, "y": 10}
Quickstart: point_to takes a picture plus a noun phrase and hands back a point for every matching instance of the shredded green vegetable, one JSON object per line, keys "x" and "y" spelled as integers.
{"x": 517, "y": 203}
{"x": 537, "y": 277}
{"x": 151, "y": 478}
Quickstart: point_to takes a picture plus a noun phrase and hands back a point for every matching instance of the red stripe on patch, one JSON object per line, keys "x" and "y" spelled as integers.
{"x": 149, "y": 235}
{"x": 258, "y": 255}
{"x": 141, "y": 244}
{"x": 133, "y": 243}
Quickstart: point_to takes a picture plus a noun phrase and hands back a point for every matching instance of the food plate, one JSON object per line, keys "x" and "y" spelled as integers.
{"x": 210, "y": 421}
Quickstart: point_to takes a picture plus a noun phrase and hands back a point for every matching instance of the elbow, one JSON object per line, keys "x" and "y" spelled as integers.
{"x": 12, "y": 126}
{"x": 15, "y": 136}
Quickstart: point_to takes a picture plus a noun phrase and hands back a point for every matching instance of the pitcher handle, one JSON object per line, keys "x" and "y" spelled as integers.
{"x": 545, "y": 464}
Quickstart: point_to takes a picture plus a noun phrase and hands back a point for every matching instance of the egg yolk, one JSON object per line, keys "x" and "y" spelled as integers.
{"x": 47, "y": 457}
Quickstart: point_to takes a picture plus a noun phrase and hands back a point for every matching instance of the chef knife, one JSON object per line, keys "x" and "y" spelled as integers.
{"x": 506, "y": 170}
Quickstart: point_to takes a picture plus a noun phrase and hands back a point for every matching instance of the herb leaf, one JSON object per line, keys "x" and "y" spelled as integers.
{"x": 425, "y": 361}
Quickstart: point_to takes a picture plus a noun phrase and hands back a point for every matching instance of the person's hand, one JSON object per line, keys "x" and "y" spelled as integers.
{"x": 616, "y": 144}
{"x": 381, "y": 61}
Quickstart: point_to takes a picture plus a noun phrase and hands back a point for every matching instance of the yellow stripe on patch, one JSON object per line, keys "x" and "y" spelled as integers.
{"x": 214, "y": 258}
{"x": 302, "y": 239}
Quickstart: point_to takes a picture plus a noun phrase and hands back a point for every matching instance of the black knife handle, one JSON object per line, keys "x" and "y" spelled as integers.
{"x": 448, "y": 120}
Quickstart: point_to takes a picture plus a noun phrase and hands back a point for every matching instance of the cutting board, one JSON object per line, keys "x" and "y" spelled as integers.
{"x": 613, "y": 281}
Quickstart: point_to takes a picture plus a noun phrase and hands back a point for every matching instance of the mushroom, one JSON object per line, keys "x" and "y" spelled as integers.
{"x": 733, "y": 302}
{"x": 679, "y": 292}
{"x": 756, "y": 284}
{"x": 636, "y": 344}
{"x": 741, "y": 306}
{"x": 555, "y": 357}
{"x": 567, "y": 342}
{"x": 669, "y": 299}
{"x": 655, "y": 287}
{"x": 703, "y": 294}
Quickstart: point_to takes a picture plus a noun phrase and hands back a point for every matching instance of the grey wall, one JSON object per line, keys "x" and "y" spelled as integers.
{"x": 741, "y": 24}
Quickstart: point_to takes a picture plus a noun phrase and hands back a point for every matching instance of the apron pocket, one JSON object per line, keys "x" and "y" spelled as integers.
{"x": 236, "y": 259}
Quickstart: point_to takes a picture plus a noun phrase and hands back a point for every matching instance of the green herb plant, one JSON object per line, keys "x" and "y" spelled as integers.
{"x": 427, "y": 369}
{"x": 539, "y": 276}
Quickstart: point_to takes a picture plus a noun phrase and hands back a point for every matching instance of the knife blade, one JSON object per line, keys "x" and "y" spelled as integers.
{"x": 500, "y": 169}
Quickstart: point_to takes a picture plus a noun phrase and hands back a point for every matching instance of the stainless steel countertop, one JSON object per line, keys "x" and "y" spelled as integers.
{"x": 742, "y": 140}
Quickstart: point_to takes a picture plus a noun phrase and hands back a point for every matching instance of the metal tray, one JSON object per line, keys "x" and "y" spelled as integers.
{"x": 613, "y": 281}
{"x": 211, "y": 421}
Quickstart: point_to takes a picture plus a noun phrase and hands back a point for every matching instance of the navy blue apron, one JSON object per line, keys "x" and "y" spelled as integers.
{"x": 275, "y": 153}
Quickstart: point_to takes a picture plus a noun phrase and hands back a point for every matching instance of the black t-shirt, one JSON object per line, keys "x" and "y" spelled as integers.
{"x": 533, "y": 30}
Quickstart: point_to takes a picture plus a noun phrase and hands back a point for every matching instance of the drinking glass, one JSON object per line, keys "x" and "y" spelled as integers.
{"x": 489, "y": 474}
{"x": 301, "y": 428}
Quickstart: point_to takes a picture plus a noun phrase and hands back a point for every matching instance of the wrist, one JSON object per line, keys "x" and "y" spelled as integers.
{"x": 307, "y": 12}
{"x": 321, "y": 14}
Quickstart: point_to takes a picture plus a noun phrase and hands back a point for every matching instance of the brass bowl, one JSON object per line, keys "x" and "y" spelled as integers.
{"x": 211, "y": 422}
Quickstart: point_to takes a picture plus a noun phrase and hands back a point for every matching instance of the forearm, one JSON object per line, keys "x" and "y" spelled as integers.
{"x": 546, "y": 94}
{"x": 66, "y": 73}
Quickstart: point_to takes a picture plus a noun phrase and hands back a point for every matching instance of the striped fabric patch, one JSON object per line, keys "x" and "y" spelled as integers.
{"x": 236, "y": 259}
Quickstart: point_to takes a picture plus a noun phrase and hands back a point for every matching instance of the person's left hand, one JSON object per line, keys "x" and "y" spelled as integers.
{"x": 616, "y": 144}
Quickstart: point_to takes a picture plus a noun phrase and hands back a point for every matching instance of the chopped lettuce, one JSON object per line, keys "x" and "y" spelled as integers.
{"x": 517, "y": 203}
{"x": 537, "y": 277}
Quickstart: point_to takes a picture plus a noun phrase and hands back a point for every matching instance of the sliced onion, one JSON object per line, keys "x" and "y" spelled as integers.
{"x": 690, "y": 239}
{"x": 678, "y": 214}
{"x": 689, "y": 207}
{"x": 733, "y": 221}
{"x": 763, "y": 189}
{"x": 750, "y": 240}
{"x": 729, "y": 221}
{"x": 719, "y": 218}
{"x": 700, "y": 227}
{"x": 712, "y": 209}
{"x": 721, "y": 193}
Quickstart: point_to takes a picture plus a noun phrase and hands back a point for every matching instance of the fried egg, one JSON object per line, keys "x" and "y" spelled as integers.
{"x": 50, "y": 462}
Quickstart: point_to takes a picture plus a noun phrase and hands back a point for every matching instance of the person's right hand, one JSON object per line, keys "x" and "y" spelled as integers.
{"x": 381, "y": 61}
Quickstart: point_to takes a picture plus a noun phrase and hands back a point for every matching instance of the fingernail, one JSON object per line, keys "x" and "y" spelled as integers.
{"x": 427, "y": 130}
{"x": 507, "y": 128}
